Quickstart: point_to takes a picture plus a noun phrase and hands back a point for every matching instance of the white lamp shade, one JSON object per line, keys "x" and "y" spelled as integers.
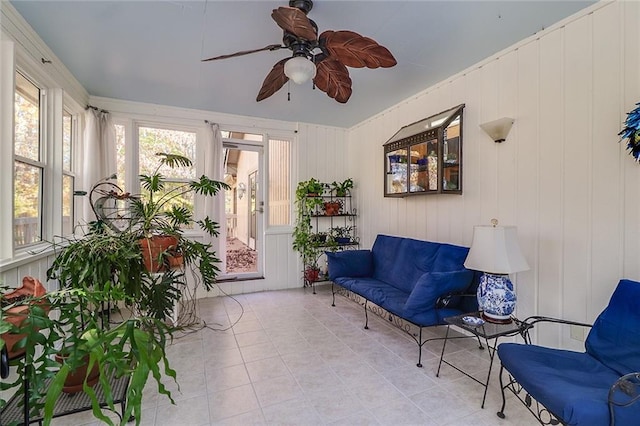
{"x": 299, "y": 69}
{"x": 498, "y": 129}
{"x": 495, "y": 250}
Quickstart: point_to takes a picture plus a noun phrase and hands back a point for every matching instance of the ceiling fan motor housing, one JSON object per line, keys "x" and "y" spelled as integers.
{"x": 303, "y": 5}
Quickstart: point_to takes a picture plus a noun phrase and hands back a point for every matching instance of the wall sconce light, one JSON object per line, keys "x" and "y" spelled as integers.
{"x": 498, "y": 129}
{"x": 242, "y": 188}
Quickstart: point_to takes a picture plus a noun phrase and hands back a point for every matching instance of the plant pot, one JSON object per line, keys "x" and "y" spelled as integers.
{"x": 31, "y": 287}
{"x": 342, "y": 240}
{"x": 154, "y": 249}
{"x": 332, "y": 208}
{"x": 76, "y": 378}
{"x": 311, "y": 274}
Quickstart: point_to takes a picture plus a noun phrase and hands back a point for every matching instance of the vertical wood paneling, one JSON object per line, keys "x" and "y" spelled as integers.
{"x": 576, "y": 177}
{"x": 559, "y": 177}
{"x": 551, "y": 172}
{"x": 526, "y": 130}
{"x": 630, "y": 17}
{"x": 605, "y": 226}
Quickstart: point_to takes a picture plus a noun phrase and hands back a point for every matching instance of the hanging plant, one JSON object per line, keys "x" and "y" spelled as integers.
{"x": 632, "y": 132}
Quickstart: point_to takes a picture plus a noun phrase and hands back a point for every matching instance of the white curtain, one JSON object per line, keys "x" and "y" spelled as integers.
{"x": 98, "y": 155}
{"x": 214, "y": 206}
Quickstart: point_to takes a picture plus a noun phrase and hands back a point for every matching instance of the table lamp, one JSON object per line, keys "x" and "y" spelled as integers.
{"x": 495, "y": 252}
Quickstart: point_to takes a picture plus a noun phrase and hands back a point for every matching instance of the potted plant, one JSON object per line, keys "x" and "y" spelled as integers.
{"x": 311, "y": 188}
{"x": 159, "y": 217}
{"x": 341, "y": 189}
{"x": 332, "y": 207}
{"x": 341, "y": 234}
{"x": 105, "y": 268}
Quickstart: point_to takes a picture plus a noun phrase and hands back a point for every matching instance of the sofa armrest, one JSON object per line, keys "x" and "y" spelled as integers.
{"x": 350, "y": 263}
{"x": 529, "y": 323}
{"x": 624, "y": 393}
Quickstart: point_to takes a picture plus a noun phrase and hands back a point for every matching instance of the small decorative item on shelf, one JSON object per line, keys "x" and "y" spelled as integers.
{"x": 341, "y": 189}
{"x": 341, "y": 234}
{"x": 332, "y": 208}
{"x": 631, "y": 131}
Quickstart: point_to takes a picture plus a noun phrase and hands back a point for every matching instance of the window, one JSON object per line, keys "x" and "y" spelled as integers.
{"x": 153, "y": 140}
{"x": 28, "y": 165}
{"x": 68, "y": 178}
{"x": 121, "y": 149}
{"x": 279, "y": 182}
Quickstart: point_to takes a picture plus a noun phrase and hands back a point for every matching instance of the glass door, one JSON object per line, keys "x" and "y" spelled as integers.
{"x": 244, "y": 210}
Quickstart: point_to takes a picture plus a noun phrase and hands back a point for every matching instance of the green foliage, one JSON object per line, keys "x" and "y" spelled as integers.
{"x": 105, "y": 268}
{"x": 306, "y": 205}
{"x": 341, "y": 189}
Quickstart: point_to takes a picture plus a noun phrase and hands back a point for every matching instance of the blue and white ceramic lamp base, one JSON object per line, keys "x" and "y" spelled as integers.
{"x": 496, "y": 297}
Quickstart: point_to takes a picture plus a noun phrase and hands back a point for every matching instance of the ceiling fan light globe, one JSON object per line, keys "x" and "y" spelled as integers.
{"x": 300, "y": 69}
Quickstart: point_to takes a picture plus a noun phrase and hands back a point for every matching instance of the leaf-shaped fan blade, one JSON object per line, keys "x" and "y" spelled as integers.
{"x": 271, "y": 47}
{"x": 274, "y": 81}
{"x": 356, "y": 51}
{"x": 295, "y": 21}
{"x": 333, "y": 78}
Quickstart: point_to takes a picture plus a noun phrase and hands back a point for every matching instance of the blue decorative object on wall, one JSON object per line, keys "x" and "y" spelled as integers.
{"x": 632, "y": 132}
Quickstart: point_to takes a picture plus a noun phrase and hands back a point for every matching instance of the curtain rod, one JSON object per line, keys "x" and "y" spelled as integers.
{"x": 209, "y": 122}
{"x": 97, "y": 109}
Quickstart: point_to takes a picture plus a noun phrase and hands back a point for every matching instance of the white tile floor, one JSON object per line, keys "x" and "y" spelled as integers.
{"x": 292, "y": 359}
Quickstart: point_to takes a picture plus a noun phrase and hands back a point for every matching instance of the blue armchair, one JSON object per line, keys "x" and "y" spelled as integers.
{"x": 596, "y": 387}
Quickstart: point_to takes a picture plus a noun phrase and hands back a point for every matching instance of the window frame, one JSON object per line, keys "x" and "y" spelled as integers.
{"x": 41, "y": 163}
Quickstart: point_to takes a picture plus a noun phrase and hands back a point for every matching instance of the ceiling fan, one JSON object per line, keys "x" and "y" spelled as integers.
{"x": 322, "y": 58}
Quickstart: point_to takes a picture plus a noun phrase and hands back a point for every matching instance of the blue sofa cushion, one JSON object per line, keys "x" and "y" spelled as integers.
{"x": 431, "y": 285}
{"x": 381, "y": 293}
{"x": 401, "y": 261}
{"x": 572, "y": 385}
{"x": 350, "y": 263}
{"x": 614, "y": 338}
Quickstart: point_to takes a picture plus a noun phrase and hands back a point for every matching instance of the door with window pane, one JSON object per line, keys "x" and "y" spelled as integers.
{"x": 244, "y": 209}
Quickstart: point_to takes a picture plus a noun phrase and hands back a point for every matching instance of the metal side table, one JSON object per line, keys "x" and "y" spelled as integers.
{"x": 487, "y": 331}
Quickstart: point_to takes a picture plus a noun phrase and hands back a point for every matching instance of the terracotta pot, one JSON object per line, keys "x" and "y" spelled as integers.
{"x": 31, "y": 287}
{"x": 311, "y": 275}
{"x": 153, "y": 249}
{"x": 75, "y": 379}
{"x": 331, "y": 208}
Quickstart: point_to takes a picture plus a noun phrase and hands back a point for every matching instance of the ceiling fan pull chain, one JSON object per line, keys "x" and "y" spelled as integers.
{"x": 288, "y": 91}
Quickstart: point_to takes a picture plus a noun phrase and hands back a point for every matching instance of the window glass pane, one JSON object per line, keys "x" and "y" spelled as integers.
{"x": 67, "y": 205}
{"x": 120, "y": 156}
{"x": 279, "y": 182}
{"x": 240, "y": 135}
{"x": 185, "y": 200}
{"x": 27, "y": 119}
{"x": 66, "y": 141}
{"x": 27, "y": 195}
{"x": 152, "y": 141}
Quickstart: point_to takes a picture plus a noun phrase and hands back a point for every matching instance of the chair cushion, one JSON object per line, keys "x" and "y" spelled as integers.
{"x": 350, "y": 263}
{"x": 572, "y": 385}
{"x": 614, "y": 338}
{"x": 430, "y": 286}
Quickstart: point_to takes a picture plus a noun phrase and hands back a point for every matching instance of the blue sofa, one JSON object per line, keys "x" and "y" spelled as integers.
{"x": 592, "y": 388}
{"x": 420, "y": 282}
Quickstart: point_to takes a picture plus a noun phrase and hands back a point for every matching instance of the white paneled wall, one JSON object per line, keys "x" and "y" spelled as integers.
{"x": 561, "y": 176}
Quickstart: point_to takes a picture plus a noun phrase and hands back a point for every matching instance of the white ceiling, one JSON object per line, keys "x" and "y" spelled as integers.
{"x": 150, "y": 51}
